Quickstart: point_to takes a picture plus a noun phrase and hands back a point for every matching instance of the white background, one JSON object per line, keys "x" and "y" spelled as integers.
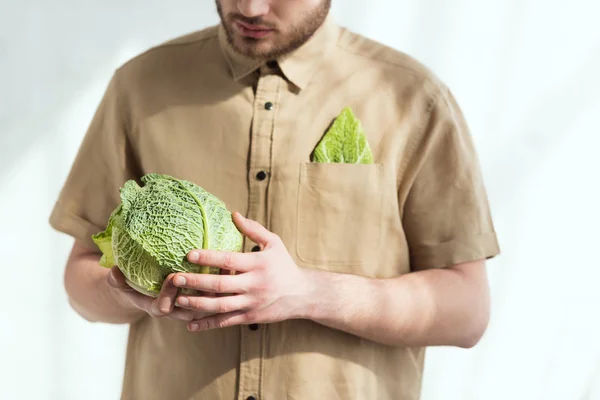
{"x": 525, "y": 72}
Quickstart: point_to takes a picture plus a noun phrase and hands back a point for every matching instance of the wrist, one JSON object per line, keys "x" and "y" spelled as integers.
{"x": 318, "y": 287}
{"x": 335, "y": 297}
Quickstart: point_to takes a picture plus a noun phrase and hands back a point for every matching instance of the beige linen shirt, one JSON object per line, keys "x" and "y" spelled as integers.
{"x": 245, "y": 131}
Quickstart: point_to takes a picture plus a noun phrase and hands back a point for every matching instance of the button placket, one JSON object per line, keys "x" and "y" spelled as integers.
{"x": 263, "y": 122}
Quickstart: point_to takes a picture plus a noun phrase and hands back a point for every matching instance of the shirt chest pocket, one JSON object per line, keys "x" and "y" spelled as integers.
{"x": 339, "y": 214}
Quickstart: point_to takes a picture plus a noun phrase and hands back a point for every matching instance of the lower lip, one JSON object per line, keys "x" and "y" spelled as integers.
{"x": 256, "y": 34}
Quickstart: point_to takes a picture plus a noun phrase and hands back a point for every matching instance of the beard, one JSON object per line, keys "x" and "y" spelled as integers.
{"x": 282, "y": 43}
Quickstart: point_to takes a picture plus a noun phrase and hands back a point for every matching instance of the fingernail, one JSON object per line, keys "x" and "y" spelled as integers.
{"x": 183, "y": 301}
{"x": 165, "y": 306}
{"x": 165, "y": 303}
{"x": 179, "y": 281}
{"x": 194, "y": 327}
{"x": 193, "y": 256}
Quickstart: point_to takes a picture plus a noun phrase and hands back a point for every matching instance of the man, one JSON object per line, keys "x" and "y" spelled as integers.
{"x": 348, "y": 271}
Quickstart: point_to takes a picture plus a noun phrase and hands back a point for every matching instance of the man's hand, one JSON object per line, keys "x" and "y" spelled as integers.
{"x": 444, "y": 306}
{"x": 268, "y": 285}
{"x": 160, "y": 307}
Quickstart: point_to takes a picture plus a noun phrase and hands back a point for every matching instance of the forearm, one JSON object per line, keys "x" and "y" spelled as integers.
{"x": 92, "y": 297}
{"x": 434, "y": 307}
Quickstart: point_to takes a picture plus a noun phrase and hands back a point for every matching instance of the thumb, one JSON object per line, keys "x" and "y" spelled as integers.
{"x": 252, "y": 229}
{"x": 116, "y": 278}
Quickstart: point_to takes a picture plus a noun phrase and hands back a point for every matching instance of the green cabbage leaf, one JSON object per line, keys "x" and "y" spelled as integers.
{"x": 344, "y": 142}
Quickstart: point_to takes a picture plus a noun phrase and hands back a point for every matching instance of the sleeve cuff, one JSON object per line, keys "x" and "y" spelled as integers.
{"x": 74, "y": 225}
{"x": 452, "y": 252}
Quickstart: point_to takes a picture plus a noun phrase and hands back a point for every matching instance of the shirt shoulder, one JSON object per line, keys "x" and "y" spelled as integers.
{"x": 192, "y": 37}
{"x": 400, "y": 68}
{"x": 169, "y": 56}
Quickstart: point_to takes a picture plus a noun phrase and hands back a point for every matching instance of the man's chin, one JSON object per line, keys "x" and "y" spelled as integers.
{"x": 253, "y": 50}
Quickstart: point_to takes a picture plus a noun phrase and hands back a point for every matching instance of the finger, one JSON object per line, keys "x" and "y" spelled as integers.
{"x": 255, "y": 231}
{"x": 219, "y": 321}
{"x": 139, "y": 300}
{"x": 116, "y": 279}
{"x": 212, "y": 283}
{"x": 221, "y": 272}
{"x": 181, "y": 314}
{"x": 165, "y": 301}
{"x": 227, "y": 260}
{"x": 143, "y": 302}
{"x": 215, "y": 305}
{"x": 226, "y": 272}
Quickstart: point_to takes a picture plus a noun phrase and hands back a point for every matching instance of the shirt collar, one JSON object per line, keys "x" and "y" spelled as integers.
{"x": 298, "y": 66}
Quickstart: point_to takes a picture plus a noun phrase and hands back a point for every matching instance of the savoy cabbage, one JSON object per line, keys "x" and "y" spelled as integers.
{"x": 344, "y": 142}
{"x": 150, "y": 233}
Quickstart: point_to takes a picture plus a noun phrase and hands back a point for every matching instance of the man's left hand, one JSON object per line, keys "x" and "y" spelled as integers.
{"x": 267, "y": 286}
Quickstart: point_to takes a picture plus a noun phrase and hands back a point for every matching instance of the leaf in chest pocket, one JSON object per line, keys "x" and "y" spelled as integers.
{"x": 344, "y": 142}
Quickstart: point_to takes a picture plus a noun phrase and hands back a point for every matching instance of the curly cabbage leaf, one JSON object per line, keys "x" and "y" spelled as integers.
{"x": 344, "y": 142}
{"x": 150, "y": 233}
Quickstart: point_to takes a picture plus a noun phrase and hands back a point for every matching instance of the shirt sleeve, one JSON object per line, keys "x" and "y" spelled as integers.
{"x": 104, "y": 162}
{"x": 446, "y": 216}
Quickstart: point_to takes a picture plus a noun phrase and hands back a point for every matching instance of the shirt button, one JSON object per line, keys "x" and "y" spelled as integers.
{"x": 253, "y": 327}
{"x": 256, "y": 248}
{"x": 250, "y": 398}
{"x": 261, "y": 175}
{"x": 268, "y": 106}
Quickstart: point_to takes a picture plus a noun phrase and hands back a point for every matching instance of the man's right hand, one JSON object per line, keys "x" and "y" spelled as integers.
{"x": 161, "y": 307}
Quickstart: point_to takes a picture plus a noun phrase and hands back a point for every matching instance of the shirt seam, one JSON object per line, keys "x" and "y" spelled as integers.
{"x": 130, "y": 131}
{"x": 417, "y": 138}
{"x": 125, "y": 119}
{"x": 278, "y": 104}
{"x": 424, "y": 248}
{"x": 171, "y": 45}
{"x": 427, "y": 79}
